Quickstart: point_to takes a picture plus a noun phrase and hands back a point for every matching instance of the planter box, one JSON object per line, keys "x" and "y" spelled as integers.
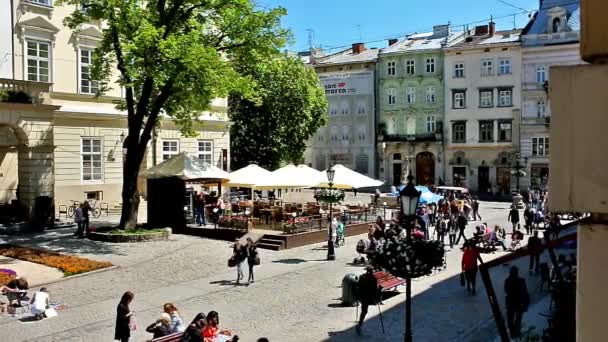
{"x": 121, "y": 238}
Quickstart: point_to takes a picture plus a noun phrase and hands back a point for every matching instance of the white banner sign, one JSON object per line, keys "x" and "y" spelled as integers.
{"x": 361, "y": 83}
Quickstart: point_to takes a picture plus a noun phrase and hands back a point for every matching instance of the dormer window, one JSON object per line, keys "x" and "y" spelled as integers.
{"x": 556, "y": 25}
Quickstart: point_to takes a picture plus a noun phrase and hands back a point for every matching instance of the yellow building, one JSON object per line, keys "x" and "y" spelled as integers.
{"x": 67, "y": 143}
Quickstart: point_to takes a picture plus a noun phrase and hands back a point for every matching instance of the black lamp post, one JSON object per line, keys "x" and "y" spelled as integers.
{"x": 517, "y": 168}
{"x": 331, "y": 255}
{"x": 409, "y": 198}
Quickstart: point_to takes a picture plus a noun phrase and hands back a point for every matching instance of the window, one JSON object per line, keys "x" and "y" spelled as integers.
{"x": 556, "y": 25}
{"x": 410, "y": 95}
{"x": 540, "y": 146}
{"x": 392, "y": 98}
{"x": 458, "y": 99}
{"x": 334, "y": 133}
{"x": 430, "y": 65}
{"x": 42, "y": 2}
{"x": 333, "y": 109}
{"x": 487, "y": 67}
{"x": 459, "y": 131}
{"x": 87, "y": 86}
{"x": 205, "y": 151}
{"x": 345, "y": 110}
{"x": 430, "y": 124}
{"x": 91, "y": 159}
{"x": 391, "y": 68}
{"x": 430, "y": 94}
{"x": 170, "y": 149}
{"x": 459, "y": 70}
{"x": 505, "y": 130}
{"x": 410, "y": 67}
{"x": 541, "y": 74}
{"x": 505, "y": 98}
{"x": 486, "y": 131}
{"x": 320, "y": 160}
{"x": 361, "y": 163}
{"x": 361, "y": 133}
{"x": 504, "y": 67}
{"x": 486, "y": 98}
{"x": 37, "y": 61}
{"x": 541, "y": 108}
{"x": 361, "y": 108}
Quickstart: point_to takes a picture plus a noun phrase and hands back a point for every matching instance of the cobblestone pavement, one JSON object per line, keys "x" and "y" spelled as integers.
{"x": 295, "y": 296}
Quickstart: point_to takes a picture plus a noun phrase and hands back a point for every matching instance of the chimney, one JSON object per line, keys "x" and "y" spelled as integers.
{"x": 492, "y": 28}
{"x": 481, "y": 30}
{"x": 358, "y": 48}
{"x": 392, "y": 41}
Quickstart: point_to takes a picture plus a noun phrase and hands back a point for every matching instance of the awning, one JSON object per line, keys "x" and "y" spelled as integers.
{"x": 345, "y": 178}
{"x": 249, "y": 176}
{"x": 187, "y": 167}
{"x": 291, "y": 176}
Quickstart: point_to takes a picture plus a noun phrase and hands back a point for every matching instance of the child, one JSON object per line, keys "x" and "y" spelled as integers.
{"x": 40, "y": 302}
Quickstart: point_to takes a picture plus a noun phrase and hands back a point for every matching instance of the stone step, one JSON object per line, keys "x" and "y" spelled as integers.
{"x": 272, "y": 244}
{"x": 271, "y": 247}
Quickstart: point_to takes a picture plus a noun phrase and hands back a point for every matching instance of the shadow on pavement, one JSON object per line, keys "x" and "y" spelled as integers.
{"x": 292, "y": 261}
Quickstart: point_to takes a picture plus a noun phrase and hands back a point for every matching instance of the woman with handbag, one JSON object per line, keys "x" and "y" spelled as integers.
{"x": 239, "y": 254}
{"x": 123, "y": 318}
{"x": 253, "y": 258}
{"x": 469, "y": 264}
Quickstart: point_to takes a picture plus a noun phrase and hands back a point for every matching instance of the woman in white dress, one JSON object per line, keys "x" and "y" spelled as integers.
{"x": 40, "y": 302}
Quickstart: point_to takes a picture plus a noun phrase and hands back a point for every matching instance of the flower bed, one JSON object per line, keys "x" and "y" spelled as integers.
{"x": 5, "y": 278}
{"x": 329, "y": 196}
{"x": 237, "y": 222}
{"x": 69, "y": 264}
{"x": 293, "y": 224}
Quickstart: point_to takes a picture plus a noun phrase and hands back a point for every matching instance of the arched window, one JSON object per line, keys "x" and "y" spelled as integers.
{"x": 556, "y": 25}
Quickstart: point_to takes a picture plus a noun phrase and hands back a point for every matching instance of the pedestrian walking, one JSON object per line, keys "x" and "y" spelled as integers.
{"x": 452, "y": 231}
{"x": 461, "y": 223}
{"x": 441, "y": 230}
{"x": 534, "y": 247}
{"x": 199, "y": 202}
{"x": 239, "y": 253}
{"x": 513, "y": 217}
{"x": 79, "y": 222}
{"x": 517, "y": 301}
{"x": 124, "y": 315}
{"x": 253, "y": 259}
{"x": 469, "y": 265}
{"x": 368, "y": 294}
{"x": 475, "y": 206}
{"x": 86, "y": 207}
{"x": 528, "y": 219}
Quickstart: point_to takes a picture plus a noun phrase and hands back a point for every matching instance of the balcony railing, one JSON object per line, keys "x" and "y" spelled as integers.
{"x": 413, "y": 137}
{"x": 38, "y": 91}
{"x": 537, "y": 121}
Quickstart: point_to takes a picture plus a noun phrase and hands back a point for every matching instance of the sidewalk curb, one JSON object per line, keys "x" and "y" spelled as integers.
{"x": 106, "y": 269}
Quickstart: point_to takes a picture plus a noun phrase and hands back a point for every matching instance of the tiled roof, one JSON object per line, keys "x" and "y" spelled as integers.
{"x": 347, "y": 56}
{"x": 499, "y": 37}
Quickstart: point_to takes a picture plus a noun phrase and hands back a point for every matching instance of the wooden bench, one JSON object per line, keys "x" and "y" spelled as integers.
{"x": 388, "y": 281}
{"x": 175, "y": 337}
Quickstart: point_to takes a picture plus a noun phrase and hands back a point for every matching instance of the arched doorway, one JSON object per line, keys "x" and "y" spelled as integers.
{"x": 425, "y": 168}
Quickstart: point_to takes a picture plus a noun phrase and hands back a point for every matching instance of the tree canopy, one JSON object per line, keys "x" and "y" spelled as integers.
{"x": 291, "y": 107}
{"x": 173, "y": 57}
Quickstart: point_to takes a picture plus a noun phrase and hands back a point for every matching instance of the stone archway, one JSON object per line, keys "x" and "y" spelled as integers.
{"x": 33, "y": 142}
{"x": 425, "y": 168}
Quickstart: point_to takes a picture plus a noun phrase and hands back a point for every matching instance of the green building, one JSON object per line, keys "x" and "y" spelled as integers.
{"x": 411, "y": 106}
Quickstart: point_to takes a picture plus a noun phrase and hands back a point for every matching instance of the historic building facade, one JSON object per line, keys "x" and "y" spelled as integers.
{"x": 410, "y": 107}
{"x": 349, "y": 137}
{"x": 68, "y": 143}
{"x": 551, "y": 38}
{"x": 482, "y": 109}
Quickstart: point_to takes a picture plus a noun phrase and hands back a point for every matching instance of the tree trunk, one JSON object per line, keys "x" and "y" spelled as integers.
{"x": 130, "y": 195}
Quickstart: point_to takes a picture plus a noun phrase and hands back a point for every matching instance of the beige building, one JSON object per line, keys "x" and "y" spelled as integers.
{"x": 67, "y": 143}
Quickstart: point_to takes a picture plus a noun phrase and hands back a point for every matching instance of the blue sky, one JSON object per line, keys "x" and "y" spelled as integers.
{"x": 343, "y": 22}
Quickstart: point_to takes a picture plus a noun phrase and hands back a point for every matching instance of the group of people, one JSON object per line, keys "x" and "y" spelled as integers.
{"x": 81, "y": 218}
{"x": 16, "y": 291}
{"x": 201, "y": 201}
{"x": 242, "y": 253}
{"x": 203, "y": 328}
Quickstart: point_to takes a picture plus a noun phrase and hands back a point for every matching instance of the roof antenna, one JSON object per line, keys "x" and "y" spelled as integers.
{"x": 311, "y": 34}
{"x": 360, "y": 36}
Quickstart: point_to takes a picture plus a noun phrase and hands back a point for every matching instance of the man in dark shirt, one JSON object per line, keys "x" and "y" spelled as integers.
{"x": 534, "y": 245}
{"x": 461, "y": 223}
{"x": 517, "y": 301}
{"x": 513, "y": 216}
{"x": 160, "y": 328}
{"x": 86, "y": 207}
{"x": 368, "y": 293}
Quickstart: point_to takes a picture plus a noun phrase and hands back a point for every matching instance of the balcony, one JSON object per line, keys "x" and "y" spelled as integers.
{"x": 535, "y": 86}
{"x": 37, "y": 91}
{"x": 545, "y": 121}
{"x": 428, "y": 137}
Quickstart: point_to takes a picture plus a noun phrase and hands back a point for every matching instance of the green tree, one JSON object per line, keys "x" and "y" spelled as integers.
{"x": 290, "y": 108}
{"x": 174, "y": 57}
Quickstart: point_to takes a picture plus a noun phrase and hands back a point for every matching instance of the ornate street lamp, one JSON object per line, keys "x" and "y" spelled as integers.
{"x": 517, "y": 169}
{"x": 331, "y": 255}
{"x": 409, "y": 198}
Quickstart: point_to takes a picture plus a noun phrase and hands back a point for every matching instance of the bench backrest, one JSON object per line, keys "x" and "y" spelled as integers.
{"x": 175, "y": 337}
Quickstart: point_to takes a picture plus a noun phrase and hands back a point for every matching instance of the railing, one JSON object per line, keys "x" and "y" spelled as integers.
{"x": 36, "y": 90}
{"x": 413, "y": 137}
{"x": 536, "y": 121}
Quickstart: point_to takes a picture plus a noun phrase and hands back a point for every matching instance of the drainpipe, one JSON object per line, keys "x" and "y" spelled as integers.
{"x": 154, "y": 135}
{"x": 12, "y": 40}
